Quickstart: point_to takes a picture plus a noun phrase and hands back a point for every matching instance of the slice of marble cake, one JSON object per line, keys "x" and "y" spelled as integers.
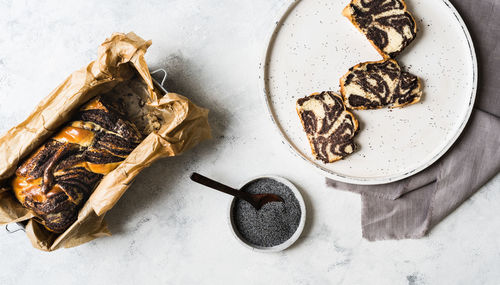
{"x": 375, "y": 84}
{"x": 386, "y": 23}
{"x": 329, "y": 126}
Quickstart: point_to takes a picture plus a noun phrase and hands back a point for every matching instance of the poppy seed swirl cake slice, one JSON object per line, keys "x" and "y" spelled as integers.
{"x": 329, "y": 126}
{"x": 373, "y": 85}
{"x": 386, "y": 23}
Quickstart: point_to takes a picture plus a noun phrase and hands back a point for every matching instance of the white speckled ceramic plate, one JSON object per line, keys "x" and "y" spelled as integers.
{"x": 313, "y": 45}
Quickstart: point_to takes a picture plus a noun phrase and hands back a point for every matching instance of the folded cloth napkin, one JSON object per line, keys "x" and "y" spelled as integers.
{"x": 411, "y": 207}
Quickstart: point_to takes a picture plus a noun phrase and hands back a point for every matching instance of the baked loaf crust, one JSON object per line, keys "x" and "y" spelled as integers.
{"x": 329, "y": 126}
{"x": 386, "y": 23}
{"x": 58, "y": 178}
{"x": 375, "y": 84}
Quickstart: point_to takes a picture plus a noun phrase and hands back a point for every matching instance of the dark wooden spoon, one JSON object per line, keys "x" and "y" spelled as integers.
{"x": 256, "y": 200}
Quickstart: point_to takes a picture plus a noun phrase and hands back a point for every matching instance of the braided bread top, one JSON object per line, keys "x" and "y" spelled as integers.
{"x": 58, "y": 178}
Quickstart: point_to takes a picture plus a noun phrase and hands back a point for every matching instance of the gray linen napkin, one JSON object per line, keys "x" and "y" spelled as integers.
{"x": 411, "y": 207}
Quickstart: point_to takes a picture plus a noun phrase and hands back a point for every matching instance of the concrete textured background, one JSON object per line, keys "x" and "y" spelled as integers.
{"x": 168, "y": 230}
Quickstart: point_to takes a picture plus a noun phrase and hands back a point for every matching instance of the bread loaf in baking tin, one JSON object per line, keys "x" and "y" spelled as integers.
{"x": 58, "y": 178}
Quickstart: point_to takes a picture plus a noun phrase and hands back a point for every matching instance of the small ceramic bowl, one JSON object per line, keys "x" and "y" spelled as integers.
{"x": 278, "y": 247}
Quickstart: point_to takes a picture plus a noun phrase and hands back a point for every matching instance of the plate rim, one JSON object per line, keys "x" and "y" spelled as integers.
{"x": 264, "y": 84}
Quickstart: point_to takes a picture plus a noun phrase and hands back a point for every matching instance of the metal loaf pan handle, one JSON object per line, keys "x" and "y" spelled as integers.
{"x": 161, "y": 83}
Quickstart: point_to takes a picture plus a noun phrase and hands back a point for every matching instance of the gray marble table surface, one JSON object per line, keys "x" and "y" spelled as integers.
{"x": 168, "y": 230}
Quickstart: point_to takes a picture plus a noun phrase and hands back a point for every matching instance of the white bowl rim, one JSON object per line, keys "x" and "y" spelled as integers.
{"x": 296, "y": 234}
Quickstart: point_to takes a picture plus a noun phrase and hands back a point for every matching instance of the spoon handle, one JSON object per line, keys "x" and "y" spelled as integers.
{"x": 196, "y": 177}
